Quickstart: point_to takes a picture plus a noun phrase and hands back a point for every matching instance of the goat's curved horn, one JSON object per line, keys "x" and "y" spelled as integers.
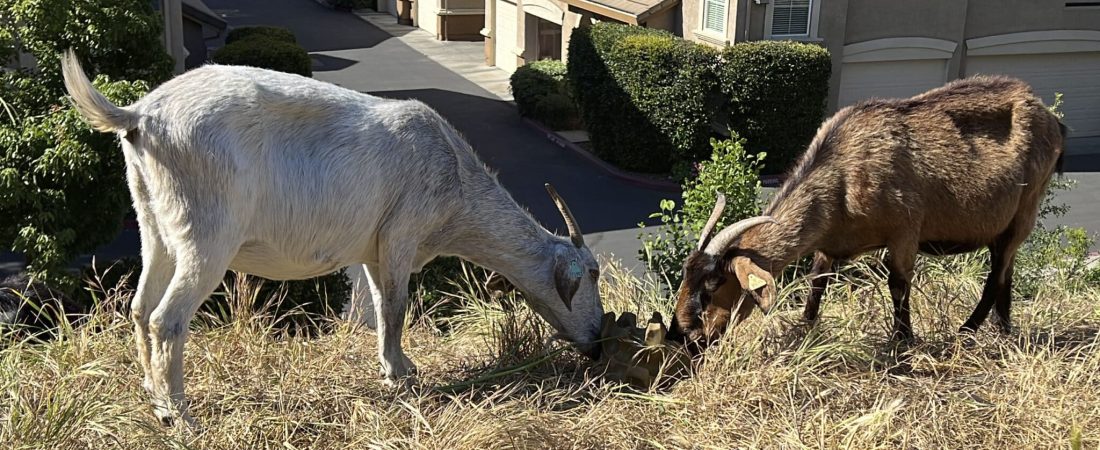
{"x": 704, "y": 236}
{"x": 726, "y": 236}
{"x": 570, "y": 222}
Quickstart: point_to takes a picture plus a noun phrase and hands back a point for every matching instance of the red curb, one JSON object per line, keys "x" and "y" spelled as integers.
{"x": 611, "y": 170}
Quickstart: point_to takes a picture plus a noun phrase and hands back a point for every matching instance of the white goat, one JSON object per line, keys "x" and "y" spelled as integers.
{"x": 286, "y": 177}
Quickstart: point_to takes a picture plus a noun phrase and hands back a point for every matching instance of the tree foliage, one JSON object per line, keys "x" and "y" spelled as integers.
{"x": 62, "y": 185}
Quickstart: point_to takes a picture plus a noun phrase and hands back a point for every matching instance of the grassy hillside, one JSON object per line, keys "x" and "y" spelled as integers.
{"x": 772, "y": 383}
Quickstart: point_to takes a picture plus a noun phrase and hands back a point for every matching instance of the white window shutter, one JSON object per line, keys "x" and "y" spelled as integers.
{"x": 714, "y": 15}
{"x": 790, "y": 17}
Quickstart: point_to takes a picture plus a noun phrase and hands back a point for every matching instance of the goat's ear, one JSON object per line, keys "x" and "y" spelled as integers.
{"x": 756, "y": 281}
{"x": 567, "y": 279}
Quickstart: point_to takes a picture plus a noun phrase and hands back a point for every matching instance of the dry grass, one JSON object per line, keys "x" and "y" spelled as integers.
{"x": 773, "y": 383}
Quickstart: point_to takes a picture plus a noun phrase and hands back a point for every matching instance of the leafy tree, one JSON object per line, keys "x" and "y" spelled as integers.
{"x": 62, "y": 185}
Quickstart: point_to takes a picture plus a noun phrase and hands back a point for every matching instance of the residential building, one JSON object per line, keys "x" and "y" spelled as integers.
{"x": 448, "y": 20}
{"x": 887, "y": 48}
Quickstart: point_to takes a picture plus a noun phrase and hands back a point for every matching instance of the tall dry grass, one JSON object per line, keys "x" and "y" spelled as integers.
{"x": 773, "y": 382}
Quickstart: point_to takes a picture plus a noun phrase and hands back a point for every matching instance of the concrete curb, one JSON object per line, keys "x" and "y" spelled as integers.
{"x": 562, "y": 142}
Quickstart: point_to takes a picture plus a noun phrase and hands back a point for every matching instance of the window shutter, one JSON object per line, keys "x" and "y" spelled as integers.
{"x": 714, "y": 15}
{"x": 790, "y": 17}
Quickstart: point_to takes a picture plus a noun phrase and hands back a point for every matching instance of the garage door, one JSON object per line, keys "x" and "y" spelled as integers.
{"x": 427, "y": 15}
{"x": 1075, "y": 75}
{"x": 504, "y": 35}
{"x": 889, "y": 79}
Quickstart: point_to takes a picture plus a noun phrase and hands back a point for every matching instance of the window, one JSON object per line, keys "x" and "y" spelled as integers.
{"x": 714, "y": 15}
{"x": 790, "y": 17}
{"x": 549, "y": 39}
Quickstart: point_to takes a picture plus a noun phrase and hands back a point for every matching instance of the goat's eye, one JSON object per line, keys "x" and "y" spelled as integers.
{"x": 595, "y": 274}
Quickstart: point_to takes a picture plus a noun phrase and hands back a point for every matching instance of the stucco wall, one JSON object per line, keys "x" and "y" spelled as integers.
{"x": 664, "y": 20}
{"x": 876, "y": 19}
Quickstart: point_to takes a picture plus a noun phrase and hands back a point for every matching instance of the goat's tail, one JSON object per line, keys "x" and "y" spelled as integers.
{"x": 100, "y": 113}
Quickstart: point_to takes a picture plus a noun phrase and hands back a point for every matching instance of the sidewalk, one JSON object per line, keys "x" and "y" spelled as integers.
{"x": 467, "y": 59}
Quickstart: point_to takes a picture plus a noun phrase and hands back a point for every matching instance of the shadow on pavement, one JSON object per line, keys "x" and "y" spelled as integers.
{"x": 325, "y": 63}
{"x": 316, "y": 28}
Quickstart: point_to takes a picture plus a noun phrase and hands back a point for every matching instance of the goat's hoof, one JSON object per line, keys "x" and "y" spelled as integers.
{"x": 398, "y": 373}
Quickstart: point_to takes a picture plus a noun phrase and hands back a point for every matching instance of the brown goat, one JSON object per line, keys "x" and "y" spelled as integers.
{"x": 952, "y": 170}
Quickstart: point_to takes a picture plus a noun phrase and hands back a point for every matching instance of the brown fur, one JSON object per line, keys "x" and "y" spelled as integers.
{"x": 952, "y": 170}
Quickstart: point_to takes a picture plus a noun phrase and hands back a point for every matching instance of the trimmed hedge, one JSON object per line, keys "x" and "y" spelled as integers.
{"x": 268, "y": 53}
{"x": 541, "y": 93}
{"x": 644, "y": 95}
{"x": 272, "y": 33}
{"x": 776, "y": 94}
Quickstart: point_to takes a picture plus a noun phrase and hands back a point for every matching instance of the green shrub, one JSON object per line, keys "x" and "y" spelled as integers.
{"x": 1060, "y": 251}
{"x": 270, "y": 33}
{"x": 730, "y": 171}
{"x": 116, "y": 38}
{"x": 541, "y": 93}
{"x": 259, "y": 51}
{"x": 776, "y": 94}
{"x": 62, "y": 185}
{"x": 644, "y": 95}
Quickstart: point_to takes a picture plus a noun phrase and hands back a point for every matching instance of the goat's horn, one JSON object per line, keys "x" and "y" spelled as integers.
{"x": 719, "y": 206}
{"x": 570, "y": 221}
{"x": 725, "y": 237}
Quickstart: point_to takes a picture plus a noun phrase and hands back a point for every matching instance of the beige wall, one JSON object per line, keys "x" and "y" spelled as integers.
{"x": 876, "y": 19}
{"x": 691, "y": 12}
{"x": 665, "y": 20}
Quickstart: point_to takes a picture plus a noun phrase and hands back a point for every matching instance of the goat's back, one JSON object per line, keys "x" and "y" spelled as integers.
{"x": 307, "y": 171}
{"x": 960, "y": 163}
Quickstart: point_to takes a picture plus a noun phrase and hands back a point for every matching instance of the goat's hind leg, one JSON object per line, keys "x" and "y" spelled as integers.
{"x": 997, "y": 292}
{"x": 200, "y": 267}
{"x": 390, "y": 280}
{"x": 156, "y": 273}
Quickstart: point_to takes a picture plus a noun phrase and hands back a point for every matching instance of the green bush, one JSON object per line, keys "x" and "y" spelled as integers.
{"x": 267, "y": 53}
{"x": 730, "y": 171}
{"x": 645, "y": 95}
{"x": 116, "y": 38}
{"x": 270, "y": 33}
{"x": 62, "y": 186}
{"x": 776, "y": 94}
{"x": 541, "y": 93}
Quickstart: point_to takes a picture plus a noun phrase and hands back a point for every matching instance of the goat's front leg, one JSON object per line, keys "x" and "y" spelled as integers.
{"x": 900, "y": 264}
{"x": 821, "y": 274}
{"x": 390, "y": 307}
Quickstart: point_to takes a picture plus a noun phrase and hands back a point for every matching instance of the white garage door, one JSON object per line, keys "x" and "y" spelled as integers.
{"x": 889, "y": 79}
{"x": 1075, "y": 75}
{"x": 427, "y": 15}
{"x": 504, "y": 35}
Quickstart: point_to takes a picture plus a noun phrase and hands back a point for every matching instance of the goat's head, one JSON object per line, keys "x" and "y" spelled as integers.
{"x": 568, "y": 294}
{"x": 720, "y": 279}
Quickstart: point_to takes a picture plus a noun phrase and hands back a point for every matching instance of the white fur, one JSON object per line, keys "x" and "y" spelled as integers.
{"x": 286, "y": 177}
